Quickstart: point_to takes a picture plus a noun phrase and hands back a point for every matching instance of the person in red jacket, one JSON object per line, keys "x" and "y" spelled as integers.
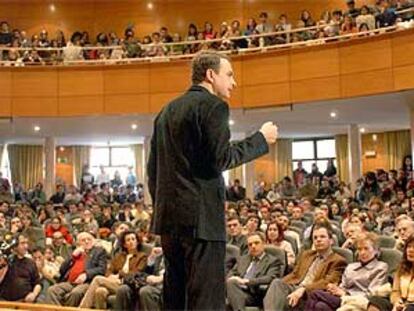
{"x": 56, "y": 225}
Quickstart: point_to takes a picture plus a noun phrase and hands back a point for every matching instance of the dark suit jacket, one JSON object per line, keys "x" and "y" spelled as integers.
{"x": 267, "y": 269}
{"x": 329, "y": 272}
{"x": 190, "y": 149}
{"x": 95, "y": 264}
{"x": 239, "y": 241}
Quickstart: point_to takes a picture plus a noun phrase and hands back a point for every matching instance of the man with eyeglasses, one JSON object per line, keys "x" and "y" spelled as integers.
{"x": 86, "y": 262}
{"x": 61, "y": 249}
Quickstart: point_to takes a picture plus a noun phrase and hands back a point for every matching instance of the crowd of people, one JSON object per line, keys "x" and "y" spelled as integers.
{"x": 161, "y": 43}
{"x": 305, "y": 243}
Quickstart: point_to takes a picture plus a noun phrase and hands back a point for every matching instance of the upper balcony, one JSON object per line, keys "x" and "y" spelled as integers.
{"x": 341, "y": 67}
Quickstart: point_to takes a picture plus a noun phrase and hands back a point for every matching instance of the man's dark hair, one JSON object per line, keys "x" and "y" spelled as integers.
{"x": 326, "y": 226}
{"x": 233, "y": 218}
{"x": 202, "y": 62}
{"x": 259, "y": 234}
{"x": 263, "y": 14}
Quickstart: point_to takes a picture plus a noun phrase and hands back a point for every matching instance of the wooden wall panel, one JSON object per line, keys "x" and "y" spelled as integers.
{"x": 65, "y": 171}
{"x": 366, "y": 55}
{"x": 5, "y": 91}
{"x": 126, "y": 104}
{"x": 81, "y": 105}
{"x": 404, "y": 77}
{"x": 366, "y": 83}
{"x": 158, "y": 101}
{"x": 265, "y": 68}
{"x": 34, "y": 106}
{"x": 316, "y": 62}
{"x": 5, "y": 83}
{"x": 316, "y": 89}
{"x": 5, "y": 106}
{"x": 133, "y": 80}
{"x": 33, "y": 83}
{"x": 368, "y": 144}
{"x": 266, "y": 95}
{"x": 403, "y": 49}
{"x": 85, "y": 82}
{"x": 236, "y": 100}
{"x": 170, "y": 77}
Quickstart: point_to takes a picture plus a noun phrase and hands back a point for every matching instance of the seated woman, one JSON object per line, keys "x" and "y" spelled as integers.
{"x": 129, "y": 261}
{"x": 274, "y": 237}
{"x": 359, "y": 279}
{"x": 402, "y": 296}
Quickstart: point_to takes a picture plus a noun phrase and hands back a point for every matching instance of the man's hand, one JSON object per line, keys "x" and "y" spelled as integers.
{"x": 154, "y": 279}
{"x": 239, "y": 280}
{"x": 335, "y": 290}
{"x": 294, "y": 297}
{"x": 81, "y": 279}
{"x": 30, "y": 297}
{"x": 270, "y": 132}
{"x": 78, "y": 251}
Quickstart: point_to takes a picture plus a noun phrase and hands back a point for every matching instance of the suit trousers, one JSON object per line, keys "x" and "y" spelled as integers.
{"x": 98, "y": 292}
{"x": 240, "y": 296}
{"x": 276, "y": 296}
{"x": 194, "y": 273}
{"x": 66, "y": 294}
{"x": 150, "y": 298}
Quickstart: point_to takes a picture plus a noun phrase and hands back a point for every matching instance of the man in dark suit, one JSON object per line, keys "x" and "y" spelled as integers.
{"x": 254, "y": 269}
{"x": 190, "y": 149}
{"x": 235, "y": 236}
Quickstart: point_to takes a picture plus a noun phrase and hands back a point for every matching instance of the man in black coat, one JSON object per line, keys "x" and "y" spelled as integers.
{"x": 190, "y": 149}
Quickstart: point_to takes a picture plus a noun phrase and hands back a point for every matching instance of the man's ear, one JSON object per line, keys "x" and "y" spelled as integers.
{"x": 210, "y": 75}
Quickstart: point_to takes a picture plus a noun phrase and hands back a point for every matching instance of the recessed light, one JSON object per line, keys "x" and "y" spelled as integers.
{"x": 362, "y": 129}
{"x": 231, "y": 122}
{"x": 52, "y": 8}
{"x": 333, "y": 114}
{"x": 134, "y": 126}
{"x": 150, "y": 6}
{"x": 36, "y": 128}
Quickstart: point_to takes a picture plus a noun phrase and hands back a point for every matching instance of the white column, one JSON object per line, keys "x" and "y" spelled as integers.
{"x": 354, "y": 154}
{"x": 50, "y": 165}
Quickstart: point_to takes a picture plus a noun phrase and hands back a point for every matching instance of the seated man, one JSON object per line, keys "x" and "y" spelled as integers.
{"x": 19, "y": 278}
{"x": 61, "y": 248}
{"x": 314, "y": 269}
{"x": 235, "y": 235}
{"x": 77, "y": 272}
{"x": 150, "y": 295}
{"x": 351, "y": 232}
{"x": 405, "y": 228}
{"x": 254, "y": 269}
